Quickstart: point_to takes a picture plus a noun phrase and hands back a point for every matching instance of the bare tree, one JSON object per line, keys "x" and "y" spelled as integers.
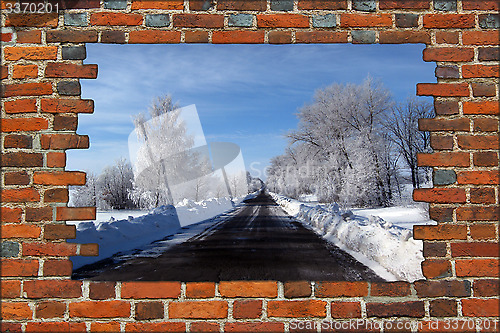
{"x": 116, "y": 184}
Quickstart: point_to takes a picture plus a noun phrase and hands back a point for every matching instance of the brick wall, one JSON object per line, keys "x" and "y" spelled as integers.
{"x": 42, "y": 62}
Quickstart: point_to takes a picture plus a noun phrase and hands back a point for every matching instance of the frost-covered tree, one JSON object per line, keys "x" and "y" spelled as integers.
{"x": 115, "y": 183}
{"x": 88, "y": 195}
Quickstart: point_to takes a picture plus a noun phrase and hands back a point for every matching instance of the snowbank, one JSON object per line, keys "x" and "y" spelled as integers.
{"x": 388, "y": 249}
{"x": 121, "y": 235}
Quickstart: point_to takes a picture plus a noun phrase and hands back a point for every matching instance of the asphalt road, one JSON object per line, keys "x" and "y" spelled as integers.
{"x": 261, "y": 242}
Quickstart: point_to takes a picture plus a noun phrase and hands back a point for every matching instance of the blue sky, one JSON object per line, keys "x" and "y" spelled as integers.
{"x": 246, "y": 94}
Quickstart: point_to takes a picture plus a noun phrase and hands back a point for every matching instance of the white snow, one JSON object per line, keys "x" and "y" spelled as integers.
{"x": 119, "y": 231}
{"x": 383, "y": 245}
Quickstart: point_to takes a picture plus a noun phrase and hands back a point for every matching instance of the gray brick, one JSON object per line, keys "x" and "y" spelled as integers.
{"x": 74, "y": 52}
{"x": 444, "y": 177}
{"x": 445, "y": 5}
{"x": 115, "y": 4}
{"x": 324, "y": 21}
{"x": 75, "y": 19}
{"x": 447, "y": 72}
{"x": 157, "y": 20}
{"x": 9, "y": 249}
{"x": 406, "y": 20}
{"x": 363, "y": 37}
{"x": 240, "y": 20}
{"x": 489, "y": 21}
{"x": 281, "y": 5}
{"x": 364, "y": 5}
{"x": 69, "y": 88}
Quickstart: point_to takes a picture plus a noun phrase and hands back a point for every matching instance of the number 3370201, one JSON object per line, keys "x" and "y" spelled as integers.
{"x": 31, "y": 8}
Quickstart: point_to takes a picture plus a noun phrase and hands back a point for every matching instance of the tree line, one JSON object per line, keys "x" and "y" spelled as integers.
{"x": 354, "y": 145}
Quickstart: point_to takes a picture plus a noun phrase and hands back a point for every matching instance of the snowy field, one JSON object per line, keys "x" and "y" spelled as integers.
{"x": 121, "y": 231}
{"x": 383, "y": 244}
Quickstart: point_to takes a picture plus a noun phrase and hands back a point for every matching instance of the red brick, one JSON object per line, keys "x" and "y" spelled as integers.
{"x": 39, "y": 327}
{"x": 482, "y": 231}
{"x": 248, "y": 289}
{"x": 478, "y": 142}
{"x": 439, "y": 232}
{"x": 247, "y": 309}
{"x": 443, "y": 89}
{"x": 53, "y": 288}
{"x": 10, "y": 214}
{"x": 393, "y": 289}
{"x": 481, "y": 5}
{"x": 56, "y": 160}
{"x": 19, "y": 195}
{"x": 155, "y": 37}
{"x": 155, "y": 327}
{"x": 238, "y": 37}
{"x": 151, "y": 289}
{"x": 64, "y": 141}
{"x": 297, "y": 309}
{"x": 477, "y": 213}
{"x": 26, "y": 89}
{"x": 345, "y": 309}
{"x": 365, "y": 20}
{"x": 485, "y": 107}
{"x": 444, "y": 159}
{"x": 478, "y": 177}
{"x": 482, "y": 195}
{"x": 480, "y": 307}
{"x": 56, "y": 70}
{"x": 75, "y": 213}
{"x": 150, "y": 4}
{"x": 57, "y": 267}
{"x": 32, "y": 20}
{"x": 205, "y": 327}
{"x": 20, "y": 231}
{"x": 200, "y": 289}
{"x": 10, "y": 289}
{"x": 56, "y": 195}
{"x": 404, "y": 309}
{"x": 50, "y": 309}
{"x": 21, "y": 106}
{"x": 436, "y": 268}
{"x": 433, "y": 125}
{"x": 476, "y": 249}
{"x": 447, "y": 37}
{"x": 486, "y": 288}
{"x": 341, "y": 289}
{"x": 282, "y": 21}
{"x": 257, "y": 5}
{"x": 110, "y": 326}
{"x": 120, "y": 19}
{"x": 196, "y": 37}
{"x": 90, "y": 249}
{"x": 25, "y": 71}
{"x": 29, "y": 36}
{"x": 38, "y": 214}
{"x": 59, "y": 231}
{"x": 99, "y": 309}
{"x": 149, "y": 310}
{"x": 67, "y": 105}
{"x": 15, "y": 310}
{"x": 30, "y": 53}
{"x": 407, "y": 4}
{"x": 6, "y": 37}
{"x": 23, "y": 124}
{"x": 71, "y": 36}
{"x": 322, "y": 4}
{"x": 486, "y": 158}
{"x": 242, "y": 327}
{"x": 440, "y": 195}
{"x": 470, "y": 71}
{"x": 198, "y": 21}
{"x": 49, "y": 249}
{"x": 294, "y": 289}
{"x": 198, "y": 309}
{"x": 477, "y": 267}
{"x": 4, "y": 72}
{"x": 59, "y": 178}
{"x": 480, "y": 37}
{"x": 446, "y": 107}
{"x": 449, "y": 21}
{"x": 441, "y": 142}
{"x": 279, "y": 37}
{"x": 102, "y": 290}
{"x": 18, "y": 267}
{"x": 18, "y": 141}
{"x": 320, "y": 37}
{"x": 401, "y": 37}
